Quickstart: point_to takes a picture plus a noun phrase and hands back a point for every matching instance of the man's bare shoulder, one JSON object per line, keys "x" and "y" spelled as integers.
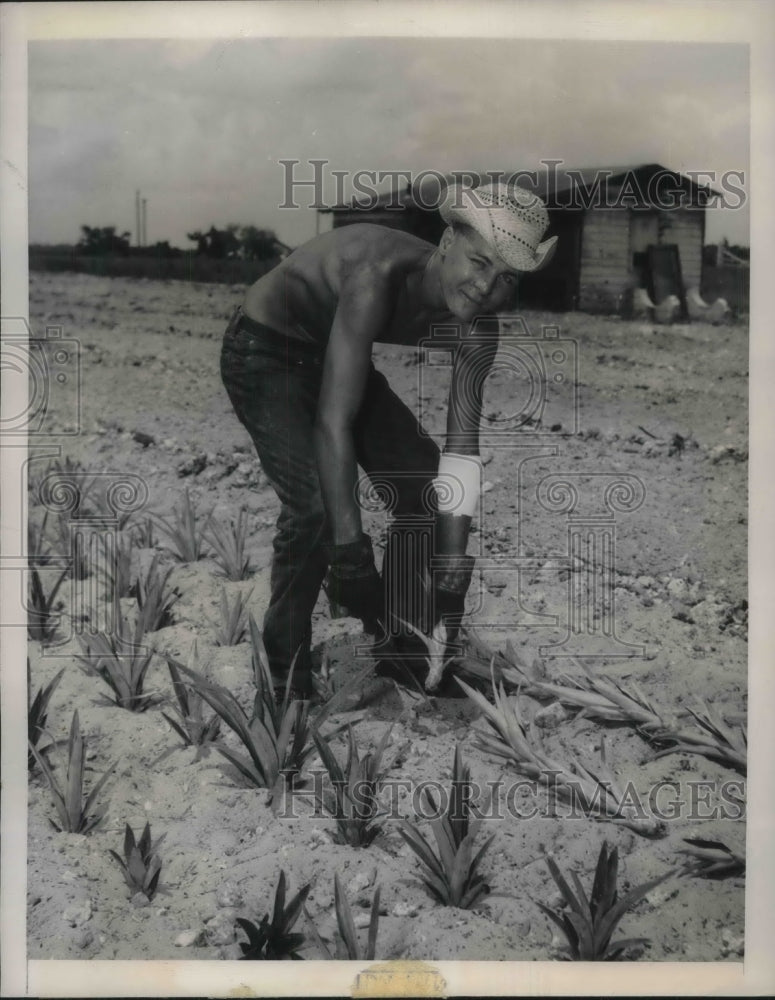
{"x": 362, "y": 261}
{"x": 368, "y": 247}
{"x": 369, "y": 236}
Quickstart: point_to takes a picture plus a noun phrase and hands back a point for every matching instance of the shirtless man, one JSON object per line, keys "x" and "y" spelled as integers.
{"x": 296, "y": 363}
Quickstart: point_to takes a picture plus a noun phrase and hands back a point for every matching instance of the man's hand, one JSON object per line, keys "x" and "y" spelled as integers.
{"x": 449, "y": 594}
{"x": 354, "y": 583}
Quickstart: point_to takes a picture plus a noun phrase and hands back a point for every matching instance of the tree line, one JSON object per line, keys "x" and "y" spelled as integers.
{"x": 710, "y": 251}
{"x": 237, "y": 242}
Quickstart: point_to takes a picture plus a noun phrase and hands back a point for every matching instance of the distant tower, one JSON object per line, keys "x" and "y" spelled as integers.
{"x": 138, "y": 234}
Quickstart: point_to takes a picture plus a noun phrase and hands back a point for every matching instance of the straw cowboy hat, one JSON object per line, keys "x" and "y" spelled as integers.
{"x": 511, "y": 219}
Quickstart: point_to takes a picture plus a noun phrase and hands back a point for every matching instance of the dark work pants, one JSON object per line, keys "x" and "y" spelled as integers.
{"x": 273, "y": 383}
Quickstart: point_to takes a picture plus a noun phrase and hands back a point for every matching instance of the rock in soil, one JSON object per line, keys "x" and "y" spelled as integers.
{"x": 228, "y": 894}
{"x": 78, "y": 913}
{"x": 551, "y": 717}
{"x": 188, "y": 938}
{"x": 220, "y": 930}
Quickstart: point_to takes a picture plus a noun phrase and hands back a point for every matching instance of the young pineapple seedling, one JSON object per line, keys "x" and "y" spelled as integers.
{"x": 122, "y": 662}
{"x": 436, "y": 651}
{"x": 35, "y": 480}
{"x": 76, "y": 815}
{"x": 143, "y": 533}
{"x": 711, "y": 859}
{"x": 348, "y": 947}
{"x": 42, "y": 614}
{"x": 191, "y": 725}
{"x": 69, "y": 479}
{"x": 64, "y": 480}
{"x": 141, "y": 864}
{"x": 38, "y": 545}
{"x": 714, "y": 739}
{"x": 334, "y": 697}
{"x": 452, "y": 872}
{"x": 154, "y": 601}
{"x": 272, "y": 750}
{"x": 588, "y": 923}
{"x": 596, "y": 792}
{"x": 272, "y": 938}
{"x": 37, "y": 715}
{"x": 276, "y": 736}
{"x": 42, "y": 619}
{"x": 323, "y": 681}
{"x": 353, "y": 799}
{"x": 72, "y": 469}
{"x": 234, "y": 626}
{"x": 607, "y": 700}
{"x": 115, "y": 571}
{"x": 69, "y": 538}
{"x": 596, "y": 696}
{"x": 186, "y": 537}
{"x": 122, "y": 519}
{"x": 228, "y": 543}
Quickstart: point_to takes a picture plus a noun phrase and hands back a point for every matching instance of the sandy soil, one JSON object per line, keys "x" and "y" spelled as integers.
{"x": 149, "y": 354}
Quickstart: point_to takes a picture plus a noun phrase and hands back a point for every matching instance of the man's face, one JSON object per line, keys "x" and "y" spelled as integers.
{"x": 474, "y": 280}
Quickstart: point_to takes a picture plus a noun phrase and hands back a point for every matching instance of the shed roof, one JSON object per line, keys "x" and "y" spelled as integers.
{"x": 649, "y": 184}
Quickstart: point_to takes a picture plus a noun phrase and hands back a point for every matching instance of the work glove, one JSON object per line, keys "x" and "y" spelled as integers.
{"x": 450, "y": 586}
{"x": 353, "y": 583}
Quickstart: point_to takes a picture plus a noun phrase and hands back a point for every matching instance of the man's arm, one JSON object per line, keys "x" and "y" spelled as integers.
{"x": 473, "y": 361}
{"x": 452, "y": 579}
{"x": 363, "y": 311}
{"x": 364, "y": 308}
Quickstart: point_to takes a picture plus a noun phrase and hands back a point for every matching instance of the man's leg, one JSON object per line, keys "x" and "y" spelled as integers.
{"x": 298, "y": 567}
{"x": 276, "y": 402}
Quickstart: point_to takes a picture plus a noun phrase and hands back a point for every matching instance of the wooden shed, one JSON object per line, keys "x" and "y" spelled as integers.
{"x": 606, "y": 219}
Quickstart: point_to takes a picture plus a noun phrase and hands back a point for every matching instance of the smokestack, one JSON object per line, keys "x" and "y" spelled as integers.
{"x": 145, "y": 221}
{"x": 138, "y": 234}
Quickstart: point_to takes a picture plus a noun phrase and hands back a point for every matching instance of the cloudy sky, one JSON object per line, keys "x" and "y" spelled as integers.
{"x": 200, "y": 125}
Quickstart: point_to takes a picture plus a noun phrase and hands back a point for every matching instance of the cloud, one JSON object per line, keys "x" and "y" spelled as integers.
{"x": 200, "y": 126}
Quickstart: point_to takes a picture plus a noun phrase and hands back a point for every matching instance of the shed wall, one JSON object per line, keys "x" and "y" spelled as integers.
{"x": 607, "y": 251}
{"x": 684, "y": 228}
{"x": 605, "y": 248}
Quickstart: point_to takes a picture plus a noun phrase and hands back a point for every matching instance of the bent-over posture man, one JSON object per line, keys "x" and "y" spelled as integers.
{"x": 296, "y": 363}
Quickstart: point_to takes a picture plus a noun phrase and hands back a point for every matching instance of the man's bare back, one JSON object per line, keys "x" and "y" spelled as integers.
{"x": 301, "y": 295}
{"x": 363, "y": 284}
